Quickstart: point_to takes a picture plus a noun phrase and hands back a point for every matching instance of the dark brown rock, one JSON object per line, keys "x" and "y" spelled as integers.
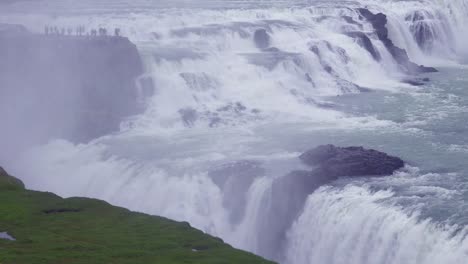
{"x": 333, "y": 162}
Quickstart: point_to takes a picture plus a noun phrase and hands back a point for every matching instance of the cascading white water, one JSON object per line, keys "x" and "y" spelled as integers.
{"x": 218, "y": 98}
{"x": 252, "y": 220}
{"x": 350, "y": 225}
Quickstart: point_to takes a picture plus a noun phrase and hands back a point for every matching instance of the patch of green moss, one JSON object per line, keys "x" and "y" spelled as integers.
{"x": 49, "y": 229}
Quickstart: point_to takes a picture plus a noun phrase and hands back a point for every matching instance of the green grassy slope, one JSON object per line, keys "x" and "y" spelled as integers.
{"x": 49, "y": 229}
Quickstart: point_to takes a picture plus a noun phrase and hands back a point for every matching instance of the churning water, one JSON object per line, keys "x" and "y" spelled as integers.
{"x": 223, "y": 108}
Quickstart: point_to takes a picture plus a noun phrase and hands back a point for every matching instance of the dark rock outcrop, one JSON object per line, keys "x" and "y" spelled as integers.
{"x": 261, "y": 38}
{"x": 72, "y": 87}
{"x": 415, "y": 81}
{"x": 328, "y": 163}
{"x": 379, "y": 23}
{"x": 333, "y": 162}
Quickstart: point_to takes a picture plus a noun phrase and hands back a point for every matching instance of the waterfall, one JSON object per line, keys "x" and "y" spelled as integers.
{"x": 214, "y": 96}
{"x": 352, "y": 226}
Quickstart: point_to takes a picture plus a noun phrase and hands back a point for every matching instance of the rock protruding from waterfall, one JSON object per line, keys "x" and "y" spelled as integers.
{"x": 261, "y": 38}
{"x": 379, "y": 23}
{"x": 332, "y": 161}
{"x": 328, "y": 163}
{"x": 63, "y": 86}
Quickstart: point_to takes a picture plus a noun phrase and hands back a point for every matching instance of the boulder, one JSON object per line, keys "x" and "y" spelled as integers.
{"x": 415, "y": 81}
{"x": 333, "y": 162}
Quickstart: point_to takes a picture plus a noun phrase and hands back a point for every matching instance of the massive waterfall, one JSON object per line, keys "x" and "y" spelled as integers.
{"x": 237, "y": 89}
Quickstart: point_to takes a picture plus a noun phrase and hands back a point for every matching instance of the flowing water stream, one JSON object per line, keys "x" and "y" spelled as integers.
{"x": 223, "y": 106}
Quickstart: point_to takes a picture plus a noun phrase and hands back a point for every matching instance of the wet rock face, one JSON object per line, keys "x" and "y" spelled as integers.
{"x": 71, "y": 87}
{"x": 328, "y": 163}
{"x": 261, "y": 38}
{"x": 333, "y": 162}
{"x": 379, "y": 22}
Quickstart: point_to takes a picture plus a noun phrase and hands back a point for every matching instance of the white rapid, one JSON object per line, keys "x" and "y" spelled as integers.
{"x": 351, "y": 225}
{"x": 227, "y": 118}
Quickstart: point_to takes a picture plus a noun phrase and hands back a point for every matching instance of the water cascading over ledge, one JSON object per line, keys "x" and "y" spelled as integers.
{"x": 216, "y": 88}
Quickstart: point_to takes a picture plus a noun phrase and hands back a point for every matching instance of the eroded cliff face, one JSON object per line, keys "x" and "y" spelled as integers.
{"x": 379, "y": 22}
{"x": 59, "y": 86}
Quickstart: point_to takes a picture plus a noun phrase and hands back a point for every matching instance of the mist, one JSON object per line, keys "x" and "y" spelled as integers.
{"x": 199, "y": 111}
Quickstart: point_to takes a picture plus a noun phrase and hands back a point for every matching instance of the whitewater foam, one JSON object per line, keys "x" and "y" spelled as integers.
{"x": 218, "y": 99}
{"x": 353, "y": 225}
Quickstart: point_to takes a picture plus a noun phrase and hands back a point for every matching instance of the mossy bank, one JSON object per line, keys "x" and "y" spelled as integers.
{"x": 45, "y": 228}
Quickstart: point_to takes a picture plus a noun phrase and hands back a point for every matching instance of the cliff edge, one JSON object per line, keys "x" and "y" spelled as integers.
{"x": 64, "y": 86}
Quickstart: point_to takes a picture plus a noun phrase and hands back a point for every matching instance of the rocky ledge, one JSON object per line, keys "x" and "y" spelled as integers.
{"x": 332, "y": 162}
{"x": 73, "y": 87}
{"x": 379, "y": 23}
{"x": 327, "y": 163}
